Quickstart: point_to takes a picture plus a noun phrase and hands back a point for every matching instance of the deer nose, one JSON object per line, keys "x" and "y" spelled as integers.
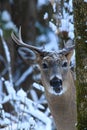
{"x": 56, "y": 83}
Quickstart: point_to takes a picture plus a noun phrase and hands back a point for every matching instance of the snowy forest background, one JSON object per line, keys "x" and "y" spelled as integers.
{"x": 45, "y": 23}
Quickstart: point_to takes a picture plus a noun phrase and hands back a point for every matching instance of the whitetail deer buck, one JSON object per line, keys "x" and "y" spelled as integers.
{"x": 58, "y": 83}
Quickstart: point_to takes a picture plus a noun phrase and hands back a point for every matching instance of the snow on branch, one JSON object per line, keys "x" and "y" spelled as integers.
{"x": 26, "y": 111}
{"x": 8, "y": 58}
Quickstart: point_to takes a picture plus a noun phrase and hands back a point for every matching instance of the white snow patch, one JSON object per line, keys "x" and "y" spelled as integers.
{"x": 52, "y": 26}
{"x": 10, "y": 89}
{"x": 21, "y": 93}
{"x": 1, "y": 32}
{"x": 46, "y": 15}
{"x": 71, "y": 27}
{"x": 10, "y": 25}
{"x": 41, "y": 38}
{"x": 86, "y": 41}
{"x": 54, "y": 7}
{"x": 38, "y": 86}
{"x": 70, "y": 5}
{"x": 52, "y": 45}
{"x": 51, "y": 41}
{"x": 64, "y": 25}
{"x": 5, "y": 16}
{"x": 41, "y": 3}
{"x": 73, "y": 59}
{"x": 24, "y": 76}
{"x": 71, "y": 34}
{"x": 4, "y": 122}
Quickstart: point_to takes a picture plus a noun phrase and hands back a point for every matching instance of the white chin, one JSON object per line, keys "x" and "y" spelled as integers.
{"x": 60, "y": 93}
{"x": 51, "y": 91}
{"x": 57, "y": 93}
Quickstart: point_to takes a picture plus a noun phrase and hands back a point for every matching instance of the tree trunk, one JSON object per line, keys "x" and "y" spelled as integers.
{"x": 80, "y": 18}
{"x": 24, "y": 14}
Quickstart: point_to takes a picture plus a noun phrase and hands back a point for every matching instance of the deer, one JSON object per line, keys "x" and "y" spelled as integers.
{"x": 58, "y": 82}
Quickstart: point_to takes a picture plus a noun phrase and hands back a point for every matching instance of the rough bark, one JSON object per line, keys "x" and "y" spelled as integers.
{"x": 80, "y": 18}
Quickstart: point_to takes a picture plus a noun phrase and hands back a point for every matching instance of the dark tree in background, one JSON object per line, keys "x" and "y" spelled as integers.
{"x": 24, "y": 14}
{"x": 80, "y": 22}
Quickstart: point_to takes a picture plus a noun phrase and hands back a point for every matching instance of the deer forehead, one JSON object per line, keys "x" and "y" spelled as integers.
{"x": 54, "y": 57}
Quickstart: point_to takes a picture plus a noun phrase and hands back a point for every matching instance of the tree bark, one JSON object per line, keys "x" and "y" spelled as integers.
{"x": 80, "y": 19}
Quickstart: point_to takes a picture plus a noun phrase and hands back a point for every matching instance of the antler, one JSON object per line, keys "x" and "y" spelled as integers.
{"x": 66, "y": 50}
{"x": 69, "y": 49}
{"x": 20, "y": 42}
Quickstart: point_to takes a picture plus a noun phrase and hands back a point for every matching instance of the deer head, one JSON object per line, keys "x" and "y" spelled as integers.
{"x": 54, "y": 66}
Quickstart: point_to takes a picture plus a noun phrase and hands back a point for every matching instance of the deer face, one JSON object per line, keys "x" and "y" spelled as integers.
{"x": 54, "y": 66}
{"x": 54, "y": 69}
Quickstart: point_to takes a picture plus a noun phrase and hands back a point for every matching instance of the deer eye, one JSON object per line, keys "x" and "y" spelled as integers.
{"x": 64, "y": 64}
{"x": 44, "y": 65}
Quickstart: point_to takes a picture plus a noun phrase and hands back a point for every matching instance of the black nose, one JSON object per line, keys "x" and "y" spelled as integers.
{"x": 56, "y": 83}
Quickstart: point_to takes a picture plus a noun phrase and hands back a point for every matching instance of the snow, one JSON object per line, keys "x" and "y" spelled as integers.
{"x": 68, "y": 27}
{"x": 6, "y": 48}
{"x": 9, "y": 25}
{"x": 54, "y": 7}
{"x": 52, "y": 26}
{"x": 33, "y": 110}
{"x": 52, "y": 43}
{"x": 41, "y": 38}
{"x": 21, "y": 94}
{"x": 35, "y": 96}
{"x": 64, "y": 25}
{"x": 50, "y": 39}
{"x": 41, "y": 3}
{"x": 46, "y": 15}
{"x": 8, "y": 58}
{"x": 24, "y": 76}
{"x": 1, "y": 32}
{"x": 71, "y": 34}
{"x": 4, "y": 122}
{"x": 1, "y": 107}
{"x": 38, "y": 86}
{"x": 73, "y": 60}
{"x": 25, "y": 107}
{"x": 5, "y": 16}
{"x": 86, "y": 41}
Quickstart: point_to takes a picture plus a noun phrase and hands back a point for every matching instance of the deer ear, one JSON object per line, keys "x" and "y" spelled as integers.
{"x": 27, "y": 55}
{"x": 69, "y": 55}
{"x": 70, "y": 46}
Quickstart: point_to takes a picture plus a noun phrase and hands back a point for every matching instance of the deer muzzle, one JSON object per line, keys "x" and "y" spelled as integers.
{"x": 56, "y": 84}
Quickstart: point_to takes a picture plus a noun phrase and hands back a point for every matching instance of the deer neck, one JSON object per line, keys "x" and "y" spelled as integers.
{"x": 63, "y": 107}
